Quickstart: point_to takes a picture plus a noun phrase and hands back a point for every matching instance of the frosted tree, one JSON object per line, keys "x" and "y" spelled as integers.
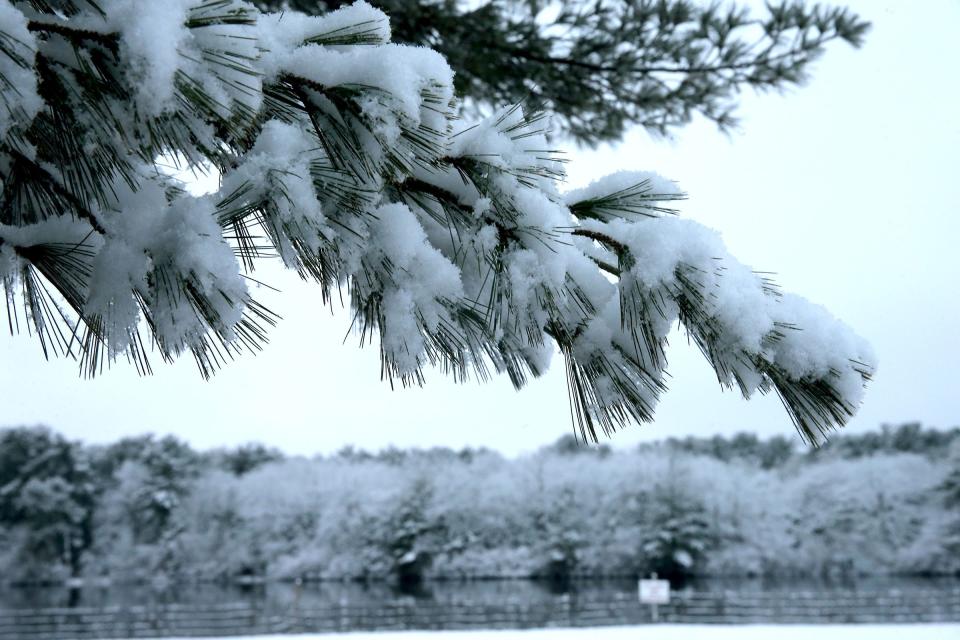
{"x": 340, "y": 155}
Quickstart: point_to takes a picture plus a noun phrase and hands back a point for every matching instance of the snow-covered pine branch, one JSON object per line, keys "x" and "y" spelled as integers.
{"x": 340, "y": 154}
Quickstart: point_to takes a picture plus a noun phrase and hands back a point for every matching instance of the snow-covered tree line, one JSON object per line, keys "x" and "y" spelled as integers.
{"x": 879, "y": 502}
{"x": 342, "y": 155}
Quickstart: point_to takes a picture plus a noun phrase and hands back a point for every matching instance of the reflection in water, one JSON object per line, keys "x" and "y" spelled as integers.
{"x": 321, "y": 594}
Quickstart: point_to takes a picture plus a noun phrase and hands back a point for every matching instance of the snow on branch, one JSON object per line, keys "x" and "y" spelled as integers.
{"x": 340, "y": 154}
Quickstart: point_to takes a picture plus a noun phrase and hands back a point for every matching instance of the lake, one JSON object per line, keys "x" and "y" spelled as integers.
{"x": 319, "y": 594}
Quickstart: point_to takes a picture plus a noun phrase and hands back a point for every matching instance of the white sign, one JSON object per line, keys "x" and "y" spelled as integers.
{"x": 654, "y": 591}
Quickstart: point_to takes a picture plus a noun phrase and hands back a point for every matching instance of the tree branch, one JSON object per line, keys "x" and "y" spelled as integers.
{"x": 108, "y": 40}
{"x": 602, "y": 238}
{"x": 570, "y": 62}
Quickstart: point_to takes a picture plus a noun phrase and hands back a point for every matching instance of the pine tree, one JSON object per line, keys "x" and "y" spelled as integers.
{"x": 604, "y": 66}
{"x": 340, "y": 155}
{"x": 47, "y": 499}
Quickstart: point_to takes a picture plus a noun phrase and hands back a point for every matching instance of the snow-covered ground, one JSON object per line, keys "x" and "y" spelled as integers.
{"x": 663, "y": 632}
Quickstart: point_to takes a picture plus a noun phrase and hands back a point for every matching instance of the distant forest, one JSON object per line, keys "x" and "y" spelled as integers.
{"x": 881, "y": 502}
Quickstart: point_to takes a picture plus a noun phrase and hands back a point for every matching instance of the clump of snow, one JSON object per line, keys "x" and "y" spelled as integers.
{"x": 280, "y": 33}
{"x": 733, "y": 295}
{"x": 119, "y": 270}
{"x": 400, "y": 70}
{"x": 151, "y": 36}
{"x": 153, "y": 254}
{"x": 190, "y": 245}
{"x": 653, "y": 185}
{"x": 9, "y": 263}
{"x": 158, "y": 46}
{"x": 58, "y": 230}
{"x": 277, "y": 171}
{"x": 418, "y": 280}
{"x": 821, "y": 347}
{"x": 508, "y": 141}
{"x": 397, "y": 88}
{"x": 228, "y": 53}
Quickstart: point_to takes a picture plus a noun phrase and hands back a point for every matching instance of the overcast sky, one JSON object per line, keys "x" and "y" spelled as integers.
{"x": 847, "y": 188}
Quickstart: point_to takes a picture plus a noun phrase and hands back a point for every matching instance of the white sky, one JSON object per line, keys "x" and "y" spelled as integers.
{"x": 846, "y": 188}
